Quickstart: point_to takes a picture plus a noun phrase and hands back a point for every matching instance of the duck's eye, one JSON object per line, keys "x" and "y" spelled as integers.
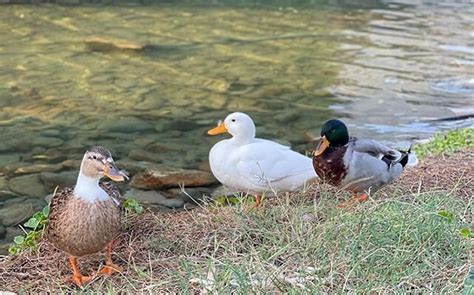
{"x": 233, "y": 120}
{"x": 94, "y": 157}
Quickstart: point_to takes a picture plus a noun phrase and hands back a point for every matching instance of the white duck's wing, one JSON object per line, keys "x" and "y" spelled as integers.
{"x": 375, "y": 149}
{"x": 268, "y": 165}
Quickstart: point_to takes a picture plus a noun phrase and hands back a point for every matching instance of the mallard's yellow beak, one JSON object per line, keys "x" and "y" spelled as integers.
{"x": 218, "y": 130}
{"x": 323, "y": 145}
{"x": 112, "y": 172}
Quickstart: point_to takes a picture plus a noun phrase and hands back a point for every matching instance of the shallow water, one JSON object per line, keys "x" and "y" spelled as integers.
{"x": 390, "y": 70}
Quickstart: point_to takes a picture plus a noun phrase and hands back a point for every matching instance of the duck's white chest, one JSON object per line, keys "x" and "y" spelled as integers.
{"x": 222, "y": 162}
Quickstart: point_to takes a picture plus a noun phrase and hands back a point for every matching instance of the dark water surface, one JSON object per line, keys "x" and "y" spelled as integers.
{"x": 389, "y": 69}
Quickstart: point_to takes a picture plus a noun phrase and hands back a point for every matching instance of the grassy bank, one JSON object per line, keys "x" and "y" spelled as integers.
{"x": 414, "y": 236}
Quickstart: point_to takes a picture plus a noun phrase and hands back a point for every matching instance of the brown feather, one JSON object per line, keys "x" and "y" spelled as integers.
{"x": 330, "y": 165}
{"x": 79, "y": 227}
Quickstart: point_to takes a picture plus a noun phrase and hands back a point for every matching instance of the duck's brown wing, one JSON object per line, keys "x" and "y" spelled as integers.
{"x": 113, "y": 192}
{"x": 57, "y": 208}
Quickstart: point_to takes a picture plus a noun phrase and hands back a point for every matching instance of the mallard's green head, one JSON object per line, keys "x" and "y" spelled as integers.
{"x": 333, "y": 134}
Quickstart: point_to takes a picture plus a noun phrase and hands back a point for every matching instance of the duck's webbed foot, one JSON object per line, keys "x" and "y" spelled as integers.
{"x": 110, "y": 267}
{"x": 77, "y": 278}
{"x": 354, "y": 201}
{"x": 258, "y": 201}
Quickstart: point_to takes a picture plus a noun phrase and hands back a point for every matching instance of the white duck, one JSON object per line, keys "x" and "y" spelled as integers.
{"x": 253, "y": 165}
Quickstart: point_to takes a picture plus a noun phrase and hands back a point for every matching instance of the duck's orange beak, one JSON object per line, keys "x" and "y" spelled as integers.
{"x": 112, "y": 172}
{"x": 218, "y": 130}
{"x": 323, "y": 145}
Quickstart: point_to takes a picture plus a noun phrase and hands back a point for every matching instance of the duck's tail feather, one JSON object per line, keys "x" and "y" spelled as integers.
{"x": 408, "y": 158}
{"x": 405, "y": 158}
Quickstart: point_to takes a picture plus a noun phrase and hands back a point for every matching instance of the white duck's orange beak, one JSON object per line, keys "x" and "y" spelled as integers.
{"x": 218, "y": 130}
{"x": 323, "y": 145}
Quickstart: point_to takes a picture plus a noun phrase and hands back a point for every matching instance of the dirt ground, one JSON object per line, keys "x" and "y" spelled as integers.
{"x": 45, "y": 269}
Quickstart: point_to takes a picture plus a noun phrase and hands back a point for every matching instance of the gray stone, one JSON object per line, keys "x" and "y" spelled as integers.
{"x": 74, "y": 164}
{"x": 3, "y": 230}
{"x": 53, "y": 155}
{"x": 5, "y": 148}
{"x": 9, "y": 170}
{"x": 50, "y": 132}
{"x": 4, "y": 245}
{"x": 142, "y": 155}
{"x": 28, "y": 185}
{"x": 6, "y": 195}
{"x": 148, "y": 104}
{"x": 132, "y": 167}
{"x": 46, "y": 141}
{"x": 223, "y": 191}
{"x": 19, "y": 212}
{"x": 8, "y": 159}
{"x": 125, "y": 125}
{"x": 60, "y": 180}
{"x": 182, "y": 125}
{"x": 3, "y": 183}
{"x": 288, "y": 116}
{"x": 193, "y": 194}
{"x": 154, "y": 197}
{"x": 159, "y": 147}
{"x": 37, "y": 168}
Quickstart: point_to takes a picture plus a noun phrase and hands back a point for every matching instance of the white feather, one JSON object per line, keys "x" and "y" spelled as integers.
{"x": 253, "y": 165}
{"x": 88, "y": 189}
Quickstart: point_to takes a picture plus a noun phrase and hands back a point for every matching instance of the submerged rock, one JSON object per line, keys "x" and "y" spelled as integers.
{"x": 131, "y": 166}
{"x": 27, "y": 185}
{"x": 16, "y": 213}
{"x": 125, "y": 125}
{"x": 46, "y": 141}
{"x": 36, "y": 168}
{"x": 154, "y": 197}
{"x": 3, "y": 230}
{"x": 61, "y": 180}
{"x": 7, "y": 195}
{"x": 8, "y": 159}
{"x": 142, "y": 155}
{"x": 3, "y": 183}
{"x": 165, "y": 177}
{"x": 53, "y": 155}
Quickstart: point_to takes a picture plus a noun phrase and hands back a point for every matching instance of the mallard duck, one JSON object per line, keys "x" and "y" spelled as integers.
{"x": 361, "y": 166}
{"x": 85, "y": 219}
{"x": 253, "y": 165}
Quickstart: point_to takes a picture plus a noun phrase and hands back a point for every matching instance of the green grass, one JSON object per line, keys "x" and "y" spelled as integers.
{"x": 405, "y": 242}
{"x": 402, "y": 243}
{"x": 396, "y": 245}
{"x": 447, "y": 143}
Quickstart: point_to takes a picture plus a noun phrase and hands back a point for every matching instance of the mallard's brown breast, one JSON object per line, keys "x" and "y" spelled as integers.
{"x": 79, "y": 227}
{"x": 330, "y": 165}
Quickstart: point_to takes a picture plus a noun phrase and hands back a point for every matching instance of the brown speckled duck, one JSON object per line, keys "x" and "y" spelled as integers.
{"x": 85, "y": 219}
{"x": 361, "y": 166}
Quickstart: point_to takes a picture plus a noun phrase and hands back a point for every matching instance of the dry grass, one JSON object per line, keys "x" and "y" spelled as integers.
{"x": 396, "y": 242}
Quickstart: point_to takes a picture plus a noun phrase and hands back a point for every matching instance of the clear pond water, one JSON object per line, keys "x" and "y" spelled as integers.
{"x": 390, "y": 69}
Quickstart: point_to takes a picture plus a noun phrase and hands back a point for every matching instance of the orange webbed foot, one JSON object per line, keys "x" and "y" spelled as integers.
{"x": 362, "y": 198}
{"x": 79, "y": 280}
{"x": 258, "y": 201}
{"x": 109, "y": 269}
{"x": 354, "y": 201}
